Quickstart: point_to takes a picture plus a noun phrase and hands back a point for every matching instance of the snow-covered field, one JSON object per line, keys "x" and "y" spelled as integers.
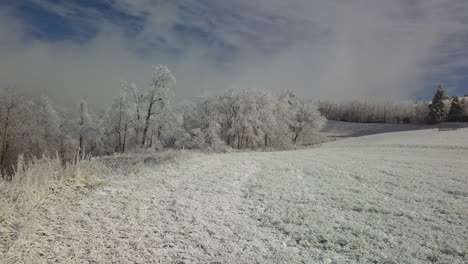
{"x": 390, "y": 198}
{"x": 338, "y": 129}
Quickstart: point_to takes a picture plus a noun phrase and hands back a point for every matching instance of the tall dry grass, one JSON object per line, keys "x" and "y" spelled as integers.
{"x": 32, "y": 181}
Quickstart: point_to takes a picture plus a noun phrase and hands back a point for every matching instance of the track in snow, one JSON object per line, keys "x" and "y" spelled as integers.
{"x": 349, "y": 201}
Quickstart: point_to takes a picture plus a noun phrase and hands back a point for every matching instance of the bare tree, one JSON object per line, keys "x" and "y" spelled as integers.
{"x": 10, "y": 107}
{"x": 136, "y": 98}
{"x": 163, "y": 80}
{"x": 85, "y": 127}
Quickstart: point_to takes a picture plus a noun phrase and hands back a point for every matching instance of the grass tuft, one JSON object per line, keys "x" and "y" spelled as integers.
{"x": 32, "y": 181}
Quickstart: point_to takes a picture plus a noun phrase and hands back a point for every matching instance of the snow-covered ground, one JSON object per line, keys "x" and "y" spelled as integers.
{"x": 390, "y": 198}
{"x": 338, "y": 129}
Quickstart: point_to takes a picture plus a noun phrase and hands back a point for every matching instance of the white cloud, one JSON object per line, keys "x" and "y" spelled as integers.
{"x": 321, "y": 49}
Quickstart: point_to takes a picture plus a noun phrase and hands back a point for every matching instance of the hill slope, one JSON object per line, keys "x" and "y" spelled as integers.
{"x": 339, "y": 129}
{"x": 389, "y": 198}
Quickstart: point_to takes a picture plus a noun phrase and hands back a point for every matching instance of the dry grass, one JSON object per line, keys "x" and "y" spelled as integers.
{"x": 133, "y": 162}
{"x": 36, "y": 179}
{"x": 32, "y": 181}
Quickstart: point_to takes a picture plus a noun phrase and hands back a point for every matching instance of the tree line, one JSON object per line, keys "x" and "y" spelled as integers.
{"x": 441, "y": 109}
{"x": 144, "y": 119}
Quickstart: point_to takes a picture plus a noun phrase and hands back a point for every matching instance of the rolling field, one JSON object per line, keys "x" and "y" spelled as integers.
{"x": 397, "y": 197}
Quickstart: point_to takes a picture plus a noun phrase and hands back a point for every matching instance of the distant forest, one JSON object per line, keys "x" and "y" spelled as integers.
{"x": 441, "y": 109}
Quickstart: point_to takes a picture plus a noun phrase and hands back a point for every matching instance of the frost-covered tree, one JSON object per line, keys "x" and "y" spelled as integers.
{"x": 13, "y": 119}
{"x": 50, "y": 120}
{"x": 456, "y": 110}
{"x": 246, "y": 120}
{"x": 88, "y": 131}
{"x": 235, "y": 119}
{"x": 158, "y": 95}
{"x": 46, "y": 136}
{"x": 246, "y": 124}
{"x": 172, "y": 130}
{"x": 164, "y": 128}
{"x": 273, "y": 131}
{"x": 200, "y": 126}
{"x": 303, "y": 116}
{"x": 464, "y": 104}
{"x": 68, "y": 148}
{"x": 437, "y": 110}
{"x": 375, "y": 112}
{"x": 239, "y": 119}
{"x": 228, "y": 107}
{"x": 117, "y": 123}
{"x": 135, "y": 103}
{"x": 421, "y": 111}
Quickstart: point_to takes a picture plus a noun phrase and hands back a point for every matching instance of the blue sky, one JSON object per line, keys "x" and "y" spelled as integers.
{"x": 332, "y": 49}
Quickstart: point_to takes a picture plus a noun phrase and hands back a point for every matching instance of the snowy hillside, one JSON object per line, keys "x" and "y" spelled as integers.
{"x": 338, "y": 129}
{"x": 389, "y": 198}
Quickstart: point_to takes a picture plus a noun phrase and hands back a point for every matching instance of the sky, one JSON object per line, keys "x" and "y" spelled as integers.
{"x": 320, "y": 49}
